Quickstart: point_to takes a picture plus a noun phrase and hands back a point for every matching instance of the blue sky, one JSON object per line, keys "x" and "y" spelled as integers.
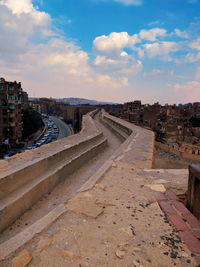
{"x": 110, "y": 50}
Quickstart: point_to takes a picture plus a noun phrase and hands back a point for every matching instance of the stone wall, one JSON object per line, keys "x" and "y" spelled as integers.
{"x": 193, "y": 193}
{"x": 138, "y": 147}
{"x": 26, "y": 177}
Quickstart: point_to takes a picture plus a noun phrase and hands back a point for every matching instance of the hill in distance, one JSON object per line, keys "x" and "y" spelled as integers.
{"x": 82, "y": 101}
{"x": 73, "y": 101}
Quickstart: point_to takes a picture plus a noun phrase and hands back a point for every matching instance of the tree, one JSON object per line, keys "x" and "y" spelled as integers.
{"x": 32, "y": 122}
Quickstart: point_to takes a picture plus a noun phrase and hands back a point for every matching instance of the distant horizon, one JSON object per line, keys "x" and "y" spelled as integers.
{"x": 115, "y": 102}
{"x": 114, "y": 51}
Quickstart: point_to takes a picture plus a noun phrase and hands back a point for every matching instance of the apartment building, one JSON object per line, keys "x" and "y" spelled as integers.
{"x": 12, "y": 101}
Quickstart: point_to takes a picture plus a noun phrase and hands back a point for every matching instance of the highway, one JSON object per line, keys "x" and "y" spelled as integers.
{"x": 64, "y": 129}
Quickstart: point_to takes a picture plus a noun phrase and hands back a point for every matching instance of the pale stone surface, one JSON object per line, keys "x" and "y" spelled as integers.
{"x": 22, "y": 259}
{"x": 101, "y": 186}
{"x": 43, "y": 243}
{"x": 173, "y": 179}
{"x": 157, "y": 187}
{"x": 84, "y": 203}
{"x": 120, "y": 254}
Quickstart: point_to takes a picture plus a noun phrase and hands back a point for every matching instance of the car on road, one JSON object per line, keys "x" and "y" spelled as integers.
{"x": 39, "y": 143}
{"x": 9, "y": 154}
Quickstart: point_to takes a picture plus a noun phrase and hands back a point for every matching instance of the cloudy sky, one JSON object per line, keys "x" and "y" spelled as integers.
{"x": 110, "y": 50}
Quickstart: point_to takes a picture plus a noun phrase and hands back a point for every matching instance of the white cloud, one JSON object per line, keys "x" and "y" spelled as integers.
{"x": 102, "y": 60}
{"x": 109, "y": 82}
{"x": 123, "y": 54}
{"x": 152, "y": 34}
{"x": 114, "y": 42}
{"x": 122, "y": 64}
{"x": 192, "y": 57}
{"x": 195, "y": 44}
{"x": 22, "y": 7}
{"x": 19, "y": 7}
{"x": 158, "y": 72}
{"x": 181, "y": 34}
{"x": 189, "y": 91}
{"x": 162, "y": 49}
{"x": 140, "y": 52}
{"x": 50, "y": 65}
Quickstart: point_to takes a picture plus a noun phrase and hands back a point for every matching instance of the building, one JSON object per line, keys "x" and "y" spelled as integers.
{"x": 44, "y": 105}
{"x": 12, "y": 101}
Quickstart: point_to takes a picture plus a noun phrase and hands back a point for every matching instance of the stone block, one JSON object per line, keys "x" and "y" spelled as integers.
{"x": 160, "y": 196}
{"x": 191, "y": 241}
{"x": 171, "y": 195}
{"x": 167, "y": 207}
{"x": 180, "y": 208}
{"x": 192, "y": 221}
{"x": 179, "y": 224}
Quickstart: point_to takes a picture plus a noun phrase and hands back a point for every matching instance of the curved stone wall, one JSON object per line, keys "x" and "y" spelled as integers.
{"x": 25, "y": 177}
{"x": 138, "y": 147}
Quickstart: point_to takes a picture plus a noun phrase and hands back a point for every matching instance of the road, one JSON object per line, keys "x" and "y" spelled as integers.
{"x": 64, "y": 129}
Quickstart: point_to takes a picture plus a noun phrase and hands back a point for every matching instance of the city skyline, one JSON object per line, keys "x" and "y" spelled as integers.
{"x": 107, "y": 50}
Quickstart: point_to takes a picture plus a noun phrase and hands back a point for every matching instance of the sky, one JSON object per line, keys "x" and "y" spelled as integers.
{"x": 107, "y": 50}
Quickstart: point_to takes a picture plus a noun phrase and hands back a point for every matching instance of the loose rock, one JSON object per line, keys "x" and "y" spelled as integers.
{"x": 22, "y": 259}
{"x": 43, "y": 243}
{"x": 69, "y": 254}
{"x": 120, "y": 254}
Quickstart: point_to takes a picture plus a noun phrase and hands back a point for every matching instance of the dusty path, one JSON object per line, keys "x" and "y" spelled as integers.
{"x": 64, "y": 190}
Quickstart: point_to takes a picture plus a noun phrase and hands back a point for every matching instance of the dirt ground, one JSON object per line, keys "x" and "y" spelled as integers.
{"x": 164, "y": 160}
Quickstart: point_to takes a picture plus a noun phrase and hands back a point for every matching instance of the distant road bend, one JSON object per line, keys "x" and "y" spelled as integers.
{"x": 64, "y": 129}
{"x": 62, "y": 192}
